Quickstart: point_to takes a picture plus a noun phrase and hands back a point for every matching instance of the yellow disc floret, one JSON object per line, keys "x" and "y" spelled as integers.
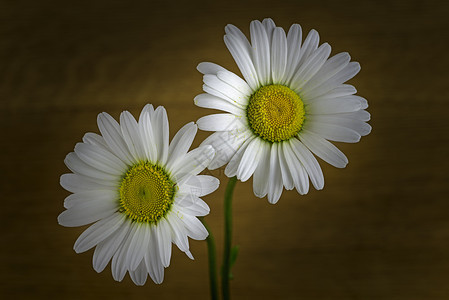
{"x": 146, "y": 193}
{"x": 275, "y": 113}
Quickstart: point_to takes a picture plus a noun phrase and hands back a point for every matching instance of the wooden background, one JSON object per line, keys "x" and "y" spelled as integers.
{"x": 378, "y": 230}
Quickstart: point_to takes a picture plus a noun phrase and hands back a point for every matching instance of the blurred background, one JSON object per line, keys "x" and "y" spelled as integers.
{"x": 378, "y": 230}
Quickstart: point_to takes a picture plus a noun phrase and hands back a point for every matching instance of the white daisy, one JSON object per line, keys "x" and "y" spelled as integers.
{"x": 142, "y": 193}
{"x": 292, "y": 102}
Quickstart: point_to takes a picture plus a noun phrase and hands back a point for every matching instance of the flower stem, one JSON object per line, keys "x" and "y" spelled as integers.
{"x": 212, "y": 263}
{"x": 226, "y": 267}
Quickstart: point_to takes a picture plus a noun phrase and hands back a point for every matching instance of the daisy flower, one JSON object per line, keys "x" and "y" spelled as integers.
{"x": 141, "y": 193}
{"x": 291, "y": 103}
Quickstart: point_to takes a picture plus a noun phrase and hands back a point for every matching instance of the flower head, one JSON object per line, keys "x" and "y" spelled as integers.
{"x": 141, "y": 193}
{"x": 292, "y": 102}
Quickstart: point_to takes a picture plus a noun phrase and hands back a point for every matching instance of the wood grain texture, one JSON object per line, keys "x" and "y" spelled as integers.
{"x": 378, "y": 230}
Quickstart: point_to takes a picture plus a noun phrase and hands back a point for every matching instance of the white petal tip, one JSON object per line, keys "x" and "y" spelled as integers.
{"x": 201, "y": 123}
{"x": 273, "y": 200}
{"x": 229, "y": 173}
{"x": 166, "y": 265}
{"x": 320, "y": 187}
{"x": 202, "y": 67}
{"x": 65, "y": 221}
{"x": 212, "y": 167}
{"x": 198, "y": 67}
{"x": 367, "y": 130}
{"x": 259, "y": 195}
{"x": 342, "y": 166}
{"x": 189, "y": 255}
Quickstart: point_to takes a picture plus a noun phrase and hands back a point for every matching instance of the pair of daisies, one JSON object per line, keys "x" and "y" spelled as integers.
{"x": 143, "y": 192}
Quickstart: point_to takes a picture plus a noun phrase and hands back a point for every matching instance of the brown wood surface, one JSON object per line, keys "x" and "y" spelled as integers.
{"x": 378, "y": 230}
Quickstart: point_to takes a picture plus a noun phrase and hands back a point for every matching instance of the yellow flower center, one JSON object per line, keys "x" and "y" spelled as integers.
{"x": 275, "y": 113}
{"x": 146, "y": 193}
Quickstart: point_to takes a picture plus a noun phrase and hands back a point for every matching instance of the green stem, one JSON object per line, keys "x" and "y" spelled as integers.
{"x": 226, "y": 268}
{"x": 212, "y": 263}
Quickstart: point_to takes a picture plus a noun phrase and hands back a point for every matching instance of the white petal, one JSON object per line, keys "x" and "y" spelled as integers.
{"x": 189, "y": 255}
{"x": 139, "y": 276}
{"x": 323, "y": 149}
{"x": 331, "y": 67}
{"x": 185, "y": 198}
{"x": 98, "y": 232}
{"x": 220, "y": 122}
{"x": 192, "y": 163}
{"x": 103, "y": 197}
{"x": 236, "y": 82}
{"x": 279, "y": 55}
{"x": 164, "y": 241}
{"x": 231, "y": 168}
{"x": 147, "y": 137}
{"x": 349, "y": 71}
{"x": 77, "y": 166}
{"x": 363, "y": 102}
{"x": 130, "y": 132}
{"x": 269, "y": 25}
{"x": 361, "y": 115}
{"x": 96, "y": 140}
{"x": 243, "y": 60}
{"x": 193, "y": 205}
{"x": 223, "y": 90}
{"x": 178, "y": 232}
{"x": 360, "y": 127}
{"x": 210, "y": 101}
{"x": 309, "y": 46}
{"x": 112, "y": 134}
{"x": 209, "y": 68}
{"x": 194, "y": 228}
{"x": 208, "y": 184}
{"x": 334, "y": 106}
{"x": 250, "y": 159}
{"x": 294, "y": 39}
{"x": 296, "y": 168}
{"x": 333, "y": 132}
{"x": 100, "y": 159}
{"x": 310, "y": 67}
{"x": 233, "y": 31}
{"x": 84, "y": 210}
{"x": 108, "y": 247}
{"x": 214, "y": 92}
{"x": 152, "y": 259}
{"x": 261, "y": 51}
{"x": 77, "y": 183}
{"x": 199, "y": 185}
{"x": 147, "y": 109}
{"x": 226, "y": 144}
{"x": 198, "y": 209}
{"x": 275, "y": 185}
{"x": 119, "y": 263}
{"x": 285, "y": 169}
{"x": 337, "y": 92}
{"x": 181, "y": 143}
{"x": 138, "y": 246}
{"x": 161, "y": 133}
{"x": 309, "y": 162}
{"x": 260, "y": 179}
